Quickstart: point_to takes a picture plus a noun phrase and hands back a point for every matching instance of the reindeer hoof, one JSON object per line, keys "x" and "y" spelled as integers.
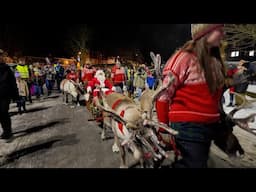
{"x": 103, "y": 137}
{"x": 115, "y": 148}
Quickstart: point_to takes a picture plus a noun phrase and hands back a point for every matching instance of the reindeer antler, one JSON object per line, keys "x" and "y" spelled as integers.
{"x": 163, "y": 126}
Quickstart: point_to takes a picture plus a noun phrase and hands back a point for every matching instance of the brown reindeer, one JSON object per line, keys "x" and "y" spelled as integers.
{"x": 132, "y": 124}
{"x": 226, "y": 140}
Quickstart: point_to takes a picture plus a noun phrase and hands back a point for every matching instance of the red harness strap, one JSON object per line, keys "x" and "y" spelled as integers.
{"x": 120, "y": 125}
{"x": 116, "y": 104}
{"x": 172, "y": 143}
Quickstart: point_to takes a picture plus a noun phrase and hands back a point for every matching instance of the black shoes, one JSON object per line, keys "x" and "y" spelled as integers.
{"x": 7, "y": 137}
{"x": 230, "y": 105}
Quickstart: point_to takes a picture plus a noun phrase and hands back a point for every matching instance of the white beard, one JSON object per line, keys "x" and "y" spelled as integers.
{"x": 101, "y": 79}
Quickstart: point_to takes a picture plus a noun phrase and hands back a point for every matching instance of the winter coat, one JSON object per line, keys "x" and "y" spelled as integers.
{"x": 23, "y": 88}
{"x": 8, "y": 86}
{"x": 140, "y": 80}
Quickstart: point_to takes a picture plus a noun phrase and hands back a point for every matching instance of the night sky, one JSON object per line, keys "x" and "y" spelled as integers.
{"x": 44, "y": 39}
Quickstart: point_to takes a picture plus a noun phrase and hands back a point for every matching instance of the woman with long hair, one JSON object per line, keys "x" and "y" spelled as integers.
{"x": 191, "y": 103}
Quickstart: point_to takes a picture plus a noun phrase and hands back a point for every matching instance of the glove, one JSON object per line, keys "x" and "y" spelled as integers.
{"x": 89, "y": 89}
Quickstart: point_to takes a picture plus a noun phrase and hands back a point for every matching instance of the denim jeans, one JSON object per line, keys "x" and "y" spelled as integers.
{"x": 194, "y": 141}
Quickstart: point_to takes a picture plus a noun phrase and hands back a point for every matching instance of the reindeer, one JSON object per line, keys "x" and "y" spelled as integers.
{"x": 69, "y": 87}
{"x": 132, "y": 124}
{"x": 226, "y": 140}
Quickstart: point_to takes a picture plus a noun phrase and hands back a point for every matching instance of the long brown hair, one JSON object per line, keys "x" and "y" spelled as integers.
{"x": 214, "y": 77}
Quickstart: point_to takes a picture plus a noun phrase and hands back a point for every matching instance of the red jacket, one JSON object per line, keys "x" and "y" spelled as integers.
{"x": 118, "y": 75}
{"x": 230, "y": 74}
{"x": 188, "y": 99}
{"x": 87, "y": 74}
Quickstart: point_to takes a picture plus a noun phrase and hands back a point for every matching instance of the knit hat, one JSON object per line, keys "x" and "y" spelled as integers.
{"x": 200, "y": 30}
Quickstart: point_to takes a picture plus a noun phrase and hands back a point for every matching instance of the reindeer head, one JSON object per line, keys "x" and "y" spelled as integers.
{"x": 242, "y": 122}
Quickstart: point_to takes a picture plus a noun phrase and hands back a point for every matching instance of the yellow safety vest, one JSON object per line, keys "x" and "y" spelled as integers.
{"x": 23, "y": 70}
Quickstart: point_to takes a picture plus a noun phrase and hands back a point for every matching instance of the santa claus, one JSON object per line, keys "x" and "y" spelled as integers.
{"x": 100, "y": 83}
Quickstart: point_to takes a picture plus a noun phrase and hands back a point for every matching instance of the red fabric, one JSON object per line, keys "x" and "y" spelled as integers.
{"x": 189, "y": 96}
{"x": 195, "y": 103}
{"x": 116, "y": 103}
{"x": 120, "y": 125}
{"x": 207, "y": 30}
{"x": 230, "y": 74}
{"x": 162, "y": 109}
{"x": 95, "y": 82}
{"x": 87, "y": 74}
{"x": 118, "y": 75}
{"x": 72, "y": 76}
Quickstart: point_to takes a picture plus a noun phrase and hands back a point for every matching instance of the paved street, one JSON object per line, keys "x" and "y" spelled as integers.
{"x": 52, "y": 135}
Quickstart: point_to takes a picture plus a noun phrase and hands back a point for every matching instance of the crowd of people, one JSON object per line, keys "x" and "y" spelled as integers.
{"x": 240, "y": 72}
{"x": 37, "y": 80}
{"x": 190, "y": 105}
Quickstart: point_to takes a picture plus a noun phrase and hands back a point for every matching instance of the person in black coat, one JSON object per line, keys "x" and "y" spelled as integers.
{"x": 8, "y": 92}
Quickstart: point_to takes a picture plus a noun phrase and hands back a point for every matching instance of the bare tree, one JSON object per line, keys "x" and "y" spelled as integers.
{"x": 79, "y": 42}
{"x": 242, "y": 35}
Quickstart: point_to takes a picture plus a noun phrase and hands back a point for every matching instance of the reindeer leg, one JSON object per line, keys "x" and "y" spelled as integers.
{"x": 123, "y": 158}
{"x": 103, "y": 133}
{"x": 115, "y": 147}
{"x": 63, "y": 97}
{"x": 78, "y": 100}
{"x": 66, "y": 98}
{"x": 137, "y": 155}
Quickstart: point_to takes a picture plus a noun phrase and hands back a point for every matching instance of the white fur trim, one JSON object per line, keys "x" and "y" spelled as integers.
{"x": 114, "y": 89}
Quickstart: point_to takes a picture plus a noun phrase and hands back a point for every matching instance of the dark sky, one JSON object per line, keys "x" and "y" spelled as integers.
{"x": 42, "y": 39}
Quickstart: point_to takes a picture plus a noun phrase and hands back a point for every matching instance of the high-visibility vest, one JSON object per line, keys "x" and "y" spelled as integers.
{"x": 23, "y": 70}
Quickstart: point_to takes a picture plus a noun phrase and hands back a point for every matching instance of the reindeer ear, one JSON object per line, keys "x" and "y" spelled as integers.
{"x": 158, "y": 65}
{"x": 159, "y": 59}
{"x": 153, "y": 57}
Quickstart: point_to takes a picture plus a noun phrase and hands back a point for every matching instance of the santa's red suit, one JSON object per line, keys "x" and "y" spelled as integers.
{"x": 100, "y": 81}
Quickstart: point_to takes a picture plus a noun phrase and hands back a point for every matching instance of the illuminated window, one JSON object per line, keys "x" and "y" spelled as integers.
{"x": 252, "y": 53}
{"x": 235, "y": 54}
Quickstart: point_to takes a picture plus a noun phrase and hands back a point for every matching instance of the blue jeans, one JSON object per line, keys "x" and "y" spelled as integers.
{"x": 194, "y": 141}
{"x": 38, "y": 90}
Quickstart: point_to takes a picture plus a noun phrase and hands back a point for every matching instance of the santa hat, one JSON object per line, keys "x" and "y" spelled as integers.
{"x": 200, "y": 30}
